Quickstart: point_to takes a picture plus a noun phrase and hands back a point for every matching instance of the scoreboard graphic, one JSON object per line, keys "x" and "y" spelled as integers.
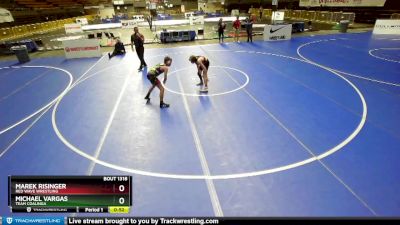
{"x": 86, "y": 194}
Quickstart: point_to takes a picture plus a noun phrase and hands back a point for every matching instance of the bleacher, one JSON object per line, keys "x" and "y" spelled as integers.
{"x": 361, "y": 14}
{"x": 365, "y": 14}
{"x": 395, "y": 16}
{"x": 34, "y": 4}
{"x": 317, "y": 16}
{"x": 16, "y": 32}
{"x": 33, "y": 11}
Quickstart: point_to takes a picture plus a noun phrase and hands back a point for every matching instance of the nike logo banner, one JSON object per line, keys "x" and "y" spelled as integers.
{"x": 273, "y": 31}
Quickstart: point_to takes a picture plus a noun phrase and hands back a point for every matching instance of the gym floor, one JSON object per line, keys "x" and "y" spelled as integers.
{"x": 306, "y": 127}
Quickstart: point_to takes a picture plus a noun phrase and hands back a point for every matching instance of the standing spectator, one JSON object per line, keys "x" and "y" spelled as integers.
{"x": 119, "y": 49}
{"x": 249, "y": 29}
{"x": 236, "y": 26}
{"x": 221, "y": 29}
{"x": 149, "y": 19}
{"x": 261, "y": 12}
{"x": 254, "y": 17}
{"x": 137, "y": 39}
{"x": 250, "y": 10}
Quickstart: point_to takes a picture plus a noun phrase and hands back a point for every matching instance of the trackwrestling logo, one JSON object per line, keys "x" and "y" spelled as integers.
{"x": 34, "y": 220}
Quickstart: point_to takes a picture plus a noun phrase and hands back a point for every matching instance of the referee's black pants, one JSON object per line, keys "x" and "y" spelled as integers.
{"x": 140, "y": 53}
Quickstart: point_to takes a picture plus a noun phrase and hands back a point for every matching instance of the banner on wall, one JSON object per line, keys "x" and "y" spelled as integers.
{"x": 82, "y": 21}
{"x": 129, "y": 24}
{"x": 139, "y": 18}
{"x": 73, "y": 28}
{"x": 188, "y": 15}
{"x": 277, "y": 32}
{"x": 5, "y": 16}
{"x": 82, "y": 48}
{"x": 235, "y": 12}
{"x": 278, "y": 15}
{"x": 342, "y": 3}
{"x": 387, "y": 27}
{"x": 152, "y": 6}
{"x": 196, "y": 20}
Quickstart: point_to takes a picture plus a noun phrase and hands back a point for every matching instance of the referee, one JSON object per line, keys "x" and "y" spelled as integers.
{"x": 137, "y": 39}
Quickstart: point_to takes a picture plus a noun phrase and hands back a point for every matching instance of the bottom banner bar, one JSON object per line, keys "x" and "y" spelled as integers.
{"x": 40, "y": 220}
{"x": 223, "y": 220}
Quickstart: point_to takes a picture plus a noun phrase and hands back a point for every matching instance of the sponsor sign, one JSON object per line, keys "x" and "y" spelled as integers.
{"x": 278, "y": 15}
{"x": 387, "y": 27}
{"x": 82, "y": 48}
{"x": 82, "y": 21}
{"x": 73, "y": 28}
{"x": 138, "y": 18}
{"x": 129, "y": 24}
{"x": 5, "y": 16}
{"x": 188, "y": 15}
{"x": 277, "y": 32}
{"x": 196, "y": 20}
{"x": 235, "y": 12}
